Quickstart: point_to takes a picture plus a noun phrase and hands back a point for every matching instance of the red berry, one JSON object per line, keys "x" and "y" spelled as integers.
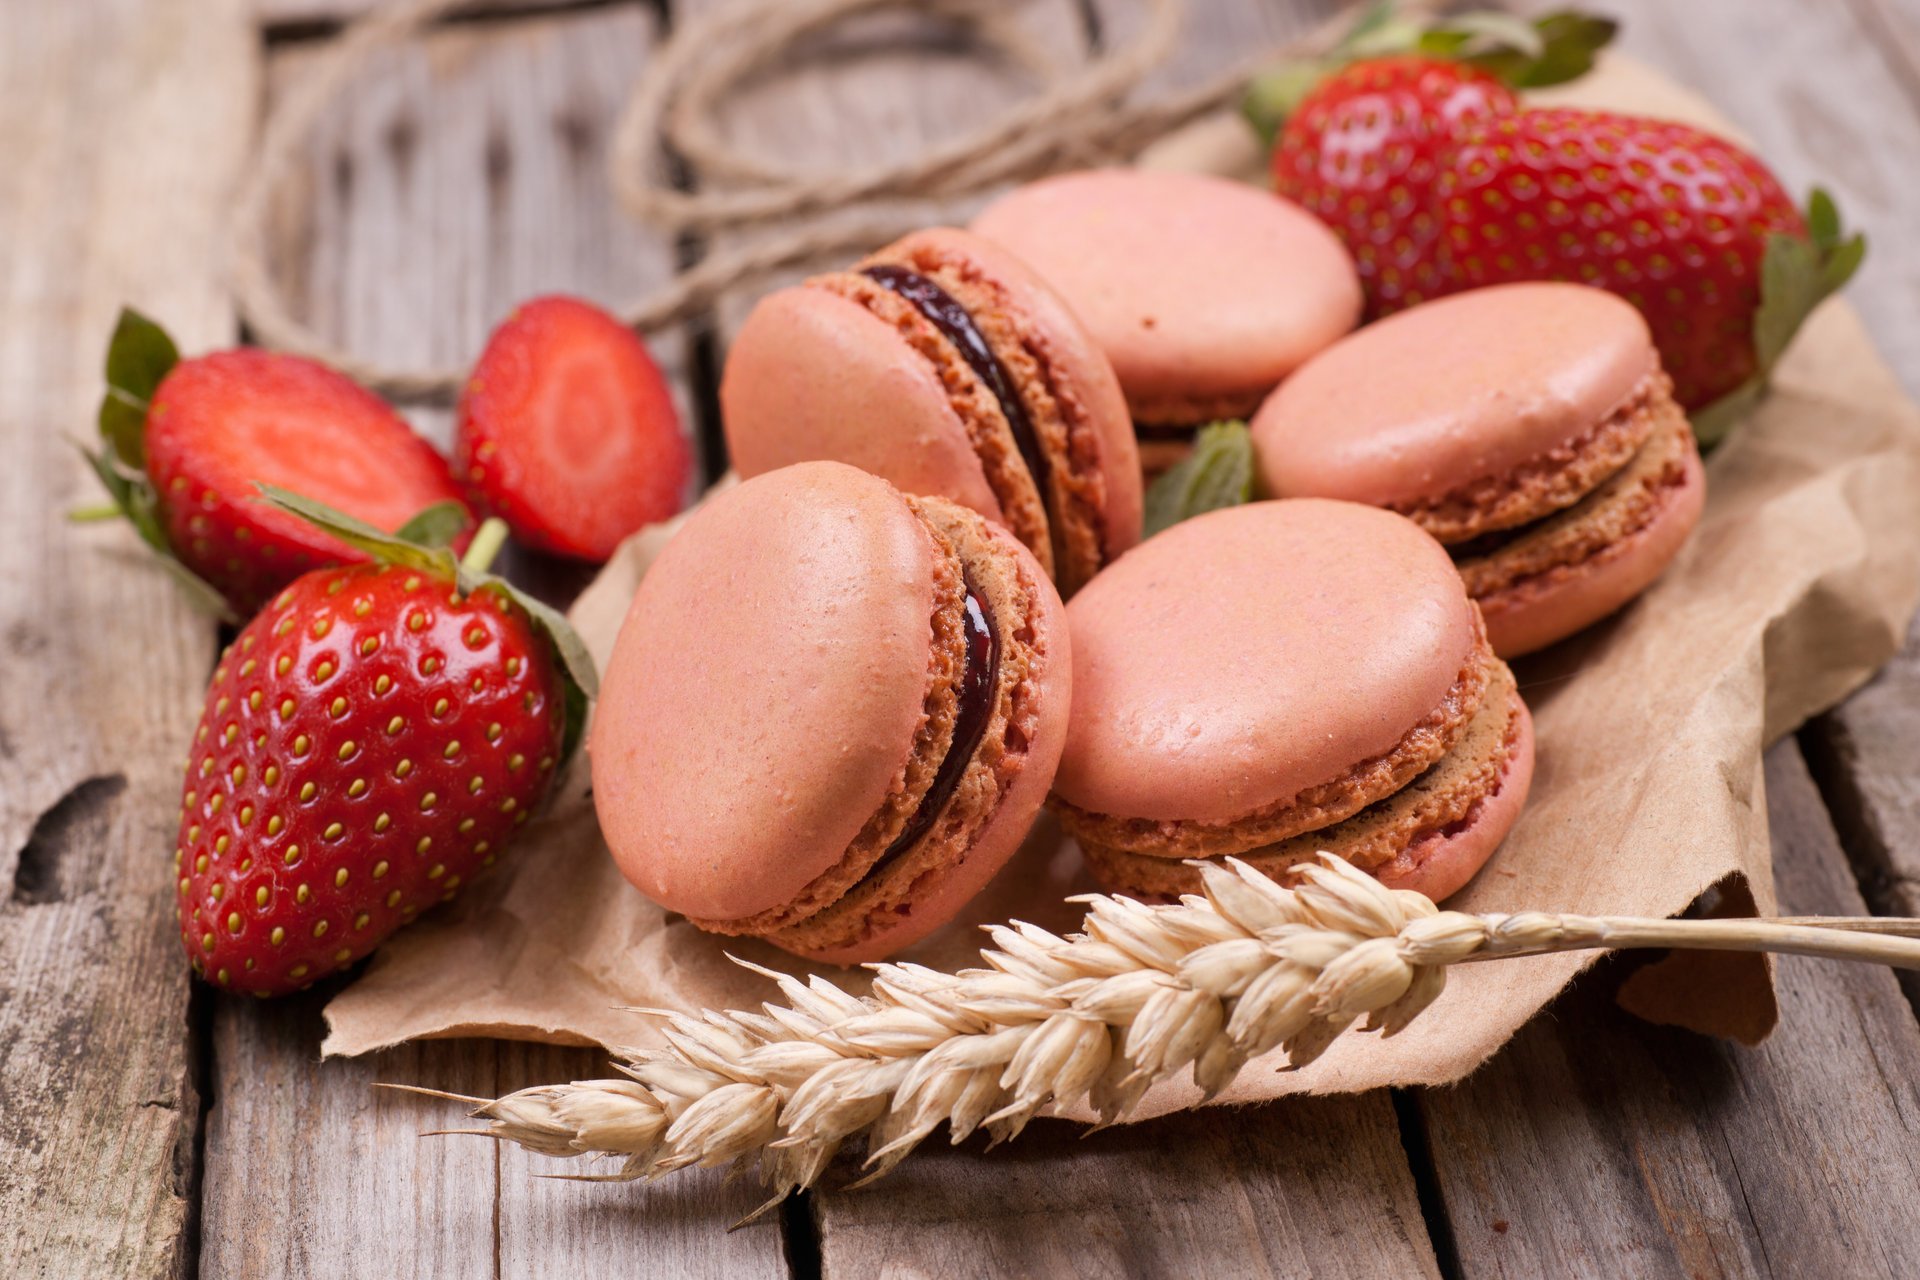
{"x": 1672, "y": 219}
{"x": 370, "y": 742}
{"x": 568, "y": 432}
{"x": 1362, "y": 152}
{"x": 222, "y": 423}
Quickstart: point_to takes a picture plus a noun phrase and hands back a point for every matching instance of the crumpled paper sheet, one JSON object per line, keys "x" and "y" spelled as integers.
{"x": 1798, "y": 584}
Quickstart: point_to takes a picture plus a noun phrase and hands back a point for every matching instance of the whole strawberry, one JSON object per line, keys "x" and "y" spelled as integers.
{"x": 1689, "y": 227}
{"x": 1365, "y": 129}
{"x": 187, "y": 441}
{"x": 1362, "y": 152}
{"x": 568, "y": 432}
{"x": 371, "y": 741}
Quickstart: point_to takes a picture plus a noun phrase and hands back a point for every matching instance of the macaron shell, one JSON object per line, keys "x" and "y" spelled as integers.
{"x": 1539, "y": 613}
{"x": 1075, "y": 365}
{"x": 1196, "y": 287}
{"x": 812, "y": 376}
{"x": 1245, "y": 655}
{"x": 940, "y": 898}
{"x": 1450, "y": 392}
{"x": 1442, "y": 867}
{"x": 765, "y": 690}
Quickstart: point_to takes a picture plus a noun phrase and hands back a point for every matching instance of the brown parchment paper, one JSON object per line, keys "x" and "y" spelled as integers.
{"x": 1798, "y": 584}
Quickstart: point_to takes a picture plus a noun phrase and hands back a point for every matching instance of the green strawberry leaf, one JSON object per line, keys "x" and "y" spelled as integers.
{"x": 139, "y": 356}
{"x": 1552, "y": 49}
{"x": 133, "y": 498}
{"x": 1218, "y": 473}
{"x": 437, "y": 526}
{"x": 1797, "y": 273}
{"x": 1563, "y": 46}
{"x": 387, "y": 548}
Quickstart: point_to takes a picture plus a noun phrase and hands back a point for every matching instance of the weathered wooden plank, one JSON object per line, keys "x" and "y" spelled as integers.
{"x": 674, "y": 1229}
{"x": 1599, "y": 1145}
{"x": 871, "y": 92}
{"x": 1308, "y": 1186}
{"x": 460, "y": 175}
{"x": 466, "y": 172}
{"x": 1216, "y": 37}
{"x": 100, "y": 656}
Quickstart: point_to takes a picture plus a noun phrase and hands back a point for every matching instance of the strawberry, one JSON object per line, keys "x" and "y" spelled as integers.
{"x": 568, "y": 432}
{"x": 1689, "y": 227}
{"x": 188, "y": 439}
{"x": 370, "y": 743}
{"x": 1365, "y": 127}
{"x": 1362, "y": 152}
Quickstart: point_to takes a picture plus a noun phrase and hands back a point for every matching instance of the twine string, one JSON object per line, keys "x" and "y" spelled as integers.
{"x": 1082, "y": 113}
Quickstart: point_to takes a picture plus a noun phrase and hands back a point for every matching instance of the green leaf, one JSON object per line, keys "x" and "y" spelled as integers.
{"x": 139, "y": 356}
{"x": 1218, "y": 473}
{"x": 385, "y": 547}
{"x": 1798, "y": 273}
{"x": 1553, "y": 49}
{"x": 135, "y": 499}
{"x": 1568, "y": 43}
{"x": 437, "y": 526}
{"x": 1273, "y": 96}
{"x": 1712, "y": 424}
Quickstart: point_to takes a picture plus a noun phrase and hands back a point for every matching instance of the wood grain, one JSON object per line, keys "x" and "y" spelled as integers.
{"x": 1307, "y": 1186}
{"x": 101, "y": 660}
{"x": 466, "y": 173}
{"x": 461, "y": 175}
{"x": 1597, "y": 1145}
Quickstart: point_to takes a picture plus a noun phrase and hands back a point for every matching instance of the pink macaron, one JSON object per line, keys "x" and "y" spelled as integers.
{"x": 1529, "y": 427}
{"x": 1203, "y": 292}
{"x": 832, "y": 713}
{"x": 1323, "y": 683}
{"x": 944, "y": 365}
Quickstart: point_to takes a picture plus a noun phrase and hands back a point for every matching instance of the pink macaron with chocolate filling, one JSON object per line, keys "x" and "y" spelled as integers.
{"x": 1529, "y": 427}
{"x": 831, "y": 715}
{"x": 1281, "y": 678}
{"x": 1203, "y": 292}
{"x": 944, "y": 365}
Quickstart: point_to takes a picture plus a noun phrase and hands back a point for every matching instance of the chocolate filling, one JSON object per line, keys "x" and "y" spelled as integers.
{"x": 944, "y": 313}
{"x": 969, "y": 725}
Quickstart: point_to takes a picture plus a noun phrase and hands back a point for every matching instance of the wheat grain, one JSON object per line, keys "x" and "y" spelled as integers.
{"x": 1143, "y": 994}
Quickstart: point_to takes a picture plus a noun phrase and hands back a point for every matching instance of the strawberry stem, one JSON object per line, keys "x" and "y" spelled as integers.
{"x": 485, "y": 546}
{"x": 89, "y": 515}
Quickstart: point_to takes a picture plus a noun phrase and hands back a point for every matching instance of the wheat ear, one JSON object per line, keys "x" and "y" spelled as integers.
{"x": 1143, "y": 994}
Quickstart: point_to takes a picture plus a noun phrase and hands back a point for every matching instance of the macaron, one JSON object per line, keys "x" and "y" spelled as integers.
{"x": 944, "y": 365}
{"x": 1529, "y": 427}
{"x": 1280, "y": 678}
{"x": 1203, "y": 292}
{"x": 831, "y": 715}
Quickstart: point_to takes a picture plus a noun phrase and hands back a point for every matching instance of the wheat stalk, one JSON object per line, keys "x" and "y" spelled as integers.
{"x": 1144, "y": 993}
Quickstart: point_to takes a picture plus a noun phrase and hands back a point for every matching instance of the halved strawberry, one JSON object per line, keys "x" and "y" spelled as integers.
{"x": 568, "y": 432}
{"x": 188, "y": 441}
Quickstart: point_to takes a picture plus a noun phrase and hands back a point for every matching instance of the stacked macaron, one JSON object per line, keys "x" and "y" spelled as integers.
{"x": 837, "y": 705}
{"x": 832, "y": 713}
{"x": 944, "y": 365}
{"x": 1204, "y": 293}
{"x": 1276, "y": 679}
{"x": 1529, "y": 427}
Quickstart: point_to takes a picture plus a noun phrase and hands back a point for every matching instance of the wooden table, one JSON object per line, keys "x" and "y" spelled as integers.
{"x": 150, "y": 1128}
